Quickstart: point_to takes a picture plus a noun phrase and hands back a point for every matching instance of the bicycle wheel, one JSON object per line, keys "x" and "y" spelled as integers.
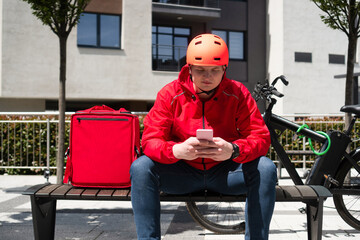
{"x": 219, "y": 217}
{"x": 348, "y": 206}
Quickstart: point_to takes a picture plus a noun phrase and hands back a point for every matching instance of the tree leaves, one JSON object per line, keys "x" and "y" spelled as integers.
{"x": 60, "y": 15}
{"x": 341, "y": 14}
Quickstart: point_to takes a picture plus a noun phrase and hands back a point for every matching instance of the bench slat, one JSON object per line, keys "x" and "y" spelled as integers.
{"x": 33, "y": 189}
{"x": 74, "y": 193}
{"x": 46, "y": 190}
{"x": 122, "y": 194}
{"x": 90, "y": 193}
{"x": 280, "y": 194}
{"x": 307, "y": 192}
{"x": 291, "y": 192}
{"x": 105, "y": 193}
{"x": 61, "y": 191}
{"x": 322, "y": 191}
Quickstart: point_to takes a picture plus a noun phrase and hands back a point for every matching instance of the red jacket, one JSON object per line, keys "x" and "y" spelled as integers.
{"x": 232, "y": 113}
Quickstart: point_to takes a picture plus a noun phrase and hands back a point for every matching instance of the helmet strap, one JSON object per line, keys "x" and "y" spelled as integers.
{"x": 206, "y": 92}
{"x": 212, "y": 90}
{"x": 202, "y": 91}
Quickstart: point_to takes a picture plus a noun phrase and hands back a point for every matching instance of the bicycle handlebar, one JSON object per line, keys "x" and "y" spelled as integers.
{"x": 282, "y": 78}
{"x": 266, "y": 91}
{"x": 276, "y": 93}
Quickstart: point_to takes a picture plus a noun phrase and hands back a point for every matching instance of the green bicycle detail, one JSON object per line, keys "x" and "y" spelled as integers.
{"x": 310, "y": 143}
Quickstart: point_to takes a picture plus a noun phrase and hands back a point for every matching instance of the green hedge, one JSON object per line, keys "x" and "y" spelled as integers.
{"x": 25, "y": 143}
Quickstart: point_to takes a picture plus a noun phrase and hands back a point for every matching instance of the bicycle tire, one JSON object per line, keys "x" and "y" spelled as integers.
{"x": 348, "y": 206}
{"x": 219, "y": 217}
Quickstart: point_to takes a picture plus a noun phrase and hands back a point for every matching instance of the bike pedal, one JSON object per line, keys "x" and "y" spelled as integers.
{"x": 332, "y": 180}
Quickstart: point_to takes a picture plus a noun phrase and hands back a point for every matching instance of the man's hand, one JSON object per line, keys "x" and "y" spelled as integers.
{"x": 192, "y": 148}
{"x": 187, "y": 150}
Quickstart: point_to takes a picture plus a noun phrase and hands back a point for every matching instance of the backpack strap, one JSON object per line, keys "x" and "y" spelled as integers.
{"x": 68, "y": 169}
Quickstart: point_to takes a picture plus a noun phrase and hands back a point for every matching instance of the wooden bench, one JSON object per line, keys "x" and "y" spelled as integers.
{"x": 44, "y": 197}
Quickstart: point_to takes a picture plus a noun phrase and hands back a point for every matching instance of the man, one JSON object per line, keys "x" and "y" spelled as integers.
{"x": 176, "y": 162}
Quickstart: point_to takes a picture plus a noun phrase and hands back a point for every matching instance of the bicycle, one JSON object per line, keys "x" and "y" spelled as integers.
{"x": 334, "y": 168}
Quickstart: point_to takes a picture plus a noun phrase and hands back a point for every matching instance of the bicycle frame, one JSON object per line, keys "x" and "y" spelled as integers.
{"x": 333, "y": 167}
{"x": 275, "y": 122}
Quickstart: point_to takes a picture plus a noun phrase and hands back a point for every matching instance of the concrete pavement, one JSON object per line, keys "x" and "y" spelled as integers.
{"x": 114, "y": 220}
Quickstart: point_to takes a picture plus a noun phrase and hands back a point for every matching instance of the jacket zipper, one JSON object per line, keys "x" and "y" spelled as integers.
{"x": 203, "y": 120}
{"x": 203, "y": 160}
{"x": 203, "y": 115}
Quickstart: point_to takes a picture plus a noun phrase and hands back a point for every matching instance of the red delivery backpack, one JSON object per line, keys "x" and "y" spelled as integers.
{"x": 103, "y": 144}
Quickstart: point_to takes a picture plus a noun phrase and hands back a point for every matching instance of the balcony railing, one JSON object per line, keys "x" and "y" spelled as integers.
{"x": 197, "y": 3}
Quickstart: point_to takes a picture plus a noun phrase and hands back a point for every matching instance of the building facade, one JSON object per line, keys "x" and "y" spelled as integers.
{"x": 310, "y": 55}
{"x": 123, "y": 52}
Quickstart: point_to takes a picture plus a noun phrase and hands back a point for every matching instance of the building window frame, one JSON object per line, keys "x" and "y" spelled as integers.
{"x": 227, "y": 36}
{"x": 97, "y": 36}
{"x": 336, "y": 59}
{"x": 196, "y": 3}
{"x": 304, "y": 57}
{"x": 176, "y": 54}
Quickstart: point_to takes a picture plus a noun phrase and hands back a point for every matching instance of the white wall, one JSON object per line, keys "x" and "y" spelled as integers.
{"x": 30, "y": 54}
{"x": 30, "y": 67}
{"x": 1, "y": 58}
{"x": 296, "y": 26}
{"x": 275, "y": 46}
{"x": 312, "y": 87}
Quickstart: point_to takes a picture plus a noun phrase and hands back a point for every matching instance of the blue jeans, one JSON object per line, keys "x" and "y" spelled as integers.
{"x": 256, "y": 178}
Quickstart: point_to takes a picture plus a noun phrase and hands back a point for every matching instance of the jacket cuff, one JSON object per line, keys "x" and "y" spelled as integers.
{"x": 170, "y": 154}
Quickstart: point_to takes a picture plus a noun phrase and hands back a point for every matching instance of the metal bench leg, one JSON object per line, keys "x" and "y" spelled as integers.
{"x": 43, "y": 213}
{"x": 314, "y": 212}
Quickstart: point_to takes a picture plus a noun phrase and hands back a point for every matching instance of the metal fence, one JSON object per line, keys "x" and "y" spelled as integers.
{"x": 28, "y": 142}
{"x": 22, "y": 140}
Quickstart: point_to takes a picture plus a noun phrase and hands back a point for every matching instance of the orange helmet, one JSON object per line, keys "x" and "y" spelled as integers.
{"x": 207, "y": 50}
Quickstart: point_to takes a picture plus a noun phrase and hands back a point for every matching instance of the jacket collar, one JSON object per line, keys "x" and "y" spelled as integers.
{"x": 185, "y": 81}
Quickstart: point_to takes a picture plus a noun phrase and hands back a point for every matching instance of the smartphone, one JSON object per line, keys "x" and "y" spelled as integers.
{"x": 205, "y": 134}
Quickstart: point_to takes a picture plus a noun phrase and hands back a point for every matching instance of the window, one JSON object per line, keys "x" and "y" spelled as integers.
{"x": 303, "y": 57}
{"x": 337, "y": 59}
{"x": 99, "y": 30}
{"x": 235, "y": 42}
{"x": 169, "y": 46}
{"x": 199, "y": 3}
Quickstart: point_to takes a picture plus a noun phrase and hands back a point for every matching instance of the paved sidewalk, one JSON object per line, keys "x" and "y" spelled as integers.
{"x": 114, "y": 220}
